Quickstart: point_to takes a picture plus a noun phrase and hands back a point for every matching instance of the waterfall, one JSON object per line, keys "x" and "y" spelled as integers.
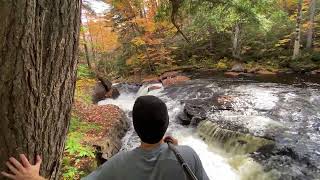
{"x": 231, "y": 141}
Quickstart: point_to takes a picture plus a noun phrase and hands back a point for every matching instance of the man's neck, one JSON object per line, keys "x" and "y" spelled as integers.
{"x": 148, "y": 147}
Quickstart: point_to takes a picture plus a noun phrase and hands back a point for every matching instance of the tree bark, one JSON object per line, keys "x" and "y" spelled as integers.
{"x": 311, "y": 24}
{"x": 236, "y": 42}
{"x": 296, "y": 49}
{"x": 39, "y": 52}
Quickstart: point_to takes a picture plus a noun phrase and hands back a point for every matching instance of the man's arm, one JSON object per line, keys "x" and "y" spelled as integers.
{"x": 23, "y": 170}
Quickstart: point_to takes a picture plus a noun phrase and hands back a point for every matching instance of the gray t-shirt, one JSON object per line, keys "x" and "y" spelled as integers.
{"x": 157, "y": 164}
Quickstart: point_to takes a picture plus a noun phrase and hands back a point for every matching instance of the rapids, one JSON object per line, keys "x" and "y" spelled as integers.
{"x": 284, "y": 113}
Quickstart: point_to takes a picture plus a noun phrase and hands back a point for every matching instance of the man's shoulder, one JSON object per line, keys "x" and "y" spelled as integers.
{"x": 120, "y": 157}
{"x": 185, "y": 149}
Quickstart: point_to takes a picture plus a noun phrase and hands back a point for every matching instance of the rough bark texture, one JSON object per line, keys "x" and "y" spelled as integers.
{"x": 296, "y": 49}
{"x": 38, "y": 57}
{"x": 311, "y": 24}
{"x": 236, "y": 43}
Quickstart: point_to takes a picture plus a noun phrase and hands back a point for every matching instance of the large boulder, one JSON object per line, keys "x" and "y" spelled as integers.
{"x": 111, "y": 143}
{"x": 103, "y": 90}
{"x": 196, "y": 110}
{"x": 175, "y": 80}
{"x": 151, "y": 80}
{"x": 168, "y": 75}
{"x": 113, "y": 126}
{"x": 99, "y": 93}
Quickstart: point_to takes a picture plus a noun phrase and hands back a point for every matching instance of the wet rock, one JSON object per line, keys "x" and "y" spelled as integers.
{"x": 287, "y": 162}
{"x": 99, "y": 93}
{"x": 154, "y": 88}
{"x": 169, "y": 75}
{"x": 237, "y": 68}
{"x": 128, "y": 87}
{"x": 103, "y": 90}
{"x": 196, "y": 110}
{"x": 113, "y": 93}
{"x": 265, "y": 72}
{"x": 184, "y": 119}
{"x": 232, "y": 74}
{"x": 151, "y": 80}
{"x": 246, "y": 75}
{"x": 236, "y": 74}
{"x": 176, "y": 80}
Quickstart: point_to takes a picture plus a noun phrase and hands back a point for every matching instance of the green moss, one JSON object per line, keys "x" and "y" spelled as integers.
{"x": 84, "y": 72}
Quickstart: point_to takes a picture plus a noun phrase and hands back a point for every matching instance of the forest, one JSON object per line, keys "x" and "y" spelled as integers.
{"x": 240, "y": 79}
{"x": 150, "y": 37}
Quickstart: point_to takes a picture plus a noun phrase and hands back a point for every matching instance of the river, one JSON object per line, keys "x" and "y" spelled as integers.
{"x": 282, "y": 112}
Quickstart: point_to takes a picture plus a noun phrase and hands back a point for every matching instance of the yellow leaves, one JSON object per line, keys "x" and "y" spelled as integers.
{"x": 282, "y": 42}
{"x": 138, "y": 41}
{"x": 147, "y": 24}
{"x": 130, "y": 60}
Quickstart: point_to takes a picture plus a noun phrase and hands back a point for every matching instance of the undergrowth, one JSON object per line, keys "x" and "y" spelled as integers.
{"x": 78, "y": 158}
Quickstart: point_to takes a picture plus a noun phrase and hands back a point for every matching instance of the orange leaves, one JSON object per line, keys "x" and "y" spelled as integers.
{"x": 102, "y": 115}
{"x": 103, "y": 39}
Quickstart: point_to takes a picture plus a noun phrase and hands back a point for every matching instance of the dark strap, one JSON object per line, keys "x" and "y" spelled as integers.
{"x": 184, "y": 165}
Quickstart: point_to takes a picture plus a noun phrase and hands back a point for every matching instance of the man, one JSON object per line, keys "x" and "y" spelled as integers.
{"x": 153, "y": 160}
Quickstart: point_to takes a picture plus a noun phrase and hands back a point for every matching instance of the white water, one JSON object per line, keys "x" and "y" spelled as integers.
{"x": 215, "y": 162}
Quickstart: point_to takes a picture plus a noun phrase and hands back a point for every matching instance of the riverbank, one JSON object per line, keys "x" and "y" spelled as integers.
{"x": 95, "y": 133}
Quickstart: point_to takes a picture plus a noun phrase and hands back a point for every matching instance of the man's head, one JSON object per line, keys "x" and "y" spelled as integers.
{"x": 150, "y": 119}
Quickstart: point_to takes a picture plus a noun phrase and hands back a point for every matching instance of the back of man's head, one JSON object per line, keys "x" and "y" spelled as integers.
{"x": 150, "y": 119}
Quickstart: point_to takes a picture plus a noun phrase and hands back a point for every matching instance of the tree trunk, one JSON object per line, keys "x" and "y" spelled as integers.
{"x": 86, "y": 50}
{"x": 296, "y": 49}
{"x": 38, "y": 58}
{"x": 236, "y": 43}
{"x": 311, "y": 24}
{"x": 91, "y": 39}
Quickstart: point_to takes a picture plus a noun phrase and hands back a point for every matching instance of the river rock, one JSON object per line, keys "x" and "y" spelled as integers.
{"x": 154, "y": 88}
{"x": 99, "y": 93}
{"x": 151, "y": 80}
{"x": 128, "y": 87}
{"x": 196, "y": 110}
{"x": 236, "y": 74}
{"x": 169, "y": 75}
{"x": 176, "y": 80}
{"x": 237, "y": 68}
{"x": 113, "y": 93}
{"x": 231, "y": 74}
{"x": 285, "y": 160}
{"x": 265, "y": 72}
